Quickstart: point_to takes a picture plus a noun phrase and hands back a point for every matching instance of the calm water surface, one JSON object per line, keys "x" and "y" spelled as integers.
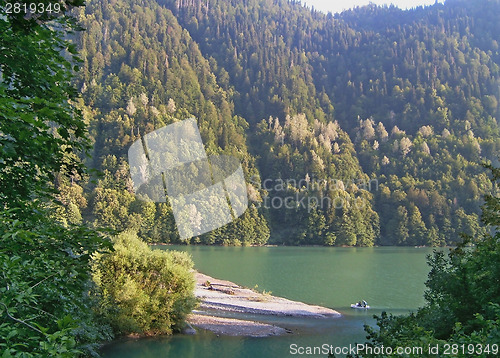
{"x": 389, "y": 278}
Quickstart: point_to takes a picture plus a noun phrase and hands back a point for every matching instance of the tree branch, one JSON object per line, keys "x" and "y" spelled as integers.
{"x": 20, "y": 321}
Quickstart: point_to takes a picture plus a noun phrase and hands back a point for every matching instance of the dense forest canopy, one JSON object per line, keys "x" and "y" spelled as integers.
{"x": 406, "y": 101}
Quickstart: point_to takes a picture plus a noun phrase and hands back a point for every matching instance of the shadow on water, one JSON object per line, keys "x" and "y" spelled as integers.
{"x": 305, "y": 332}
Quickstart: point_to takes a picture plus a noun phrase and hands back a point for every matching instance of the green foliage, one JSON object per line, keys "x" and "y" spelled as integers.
{"x": 433, "y": 72}
{"x": 45, "y": 309}
{"x": 136, "y": 80}
{"x": 44, "y": 306}
{"x": 463, "y": 295}
{"x": 315, "y": 159}
{"x": 144, "y": 291}
{"x": 41, "y": 132}
{"x": 408, "y": 98}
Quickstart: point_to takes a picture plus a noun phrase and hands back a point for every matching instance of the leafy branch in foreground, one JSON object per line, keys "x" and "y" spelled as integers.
{"x": 45, "y": 309}
{"x": 41, "y": 132}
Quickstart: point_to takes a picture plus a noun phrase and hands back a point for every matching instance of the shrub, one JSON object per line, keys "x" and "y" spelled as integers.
{"x": 144, "y": 291}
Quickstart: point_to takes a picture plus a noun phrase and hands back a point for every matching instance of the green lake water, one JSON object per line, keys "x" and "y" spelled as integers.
{"x": 390, "y": 278}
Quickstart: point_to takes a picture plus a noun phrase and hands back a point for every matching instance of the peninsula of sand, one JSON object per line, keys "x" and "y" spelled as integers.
{"x": 220, "y": 299}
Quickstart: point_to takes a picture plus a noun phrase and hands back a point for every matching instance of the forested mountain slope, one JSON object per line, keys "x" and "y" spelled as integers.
{"x": 405, "y": 99}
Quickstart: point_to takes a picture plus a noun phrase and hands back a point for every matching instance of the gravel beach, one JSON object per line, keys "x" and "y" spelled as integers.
{"x": 220, "y": 296}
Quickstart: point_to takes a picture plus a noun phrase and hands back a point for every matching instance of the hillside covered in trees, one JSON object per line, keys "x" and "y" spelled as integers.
{"x": 362, "y": 128}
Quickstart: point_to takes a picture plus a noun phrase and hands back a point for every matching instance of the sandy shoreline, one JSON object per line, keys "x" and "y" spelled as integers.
{"x": 219, "y": 296}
